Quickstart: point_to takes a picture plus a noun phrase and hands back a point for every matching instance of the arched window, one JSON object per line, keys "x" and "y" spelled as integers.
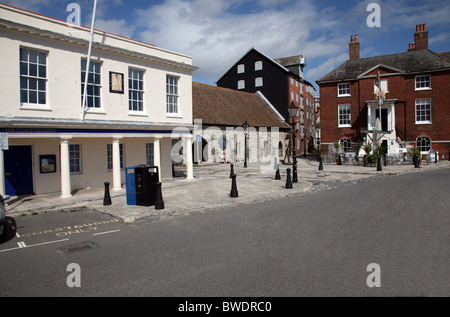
{"x": 346, "y": 144}
{"x": 280, "y": 149}
{"x": 424, "y": 143}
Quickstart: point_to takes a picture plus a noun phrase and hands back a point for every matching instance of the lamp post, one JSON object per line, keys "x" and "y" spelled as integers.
{"x": 293, "y": 113}
{"x": 245, "y": 125}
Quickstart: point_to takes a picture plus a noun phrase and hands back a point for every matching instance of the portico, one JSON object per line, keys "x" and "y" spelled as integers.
{"x": 87, "y": 158}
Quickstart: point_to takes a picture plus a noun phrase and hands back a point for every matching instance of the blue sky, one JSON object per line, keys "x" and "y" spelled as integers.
{"x": 216, "y": 33}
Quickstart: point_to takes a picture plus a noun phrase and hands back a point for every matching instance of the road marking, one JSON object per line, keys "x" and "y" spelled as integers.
{"x": 100, "y": 233}
{"x": 22, "y": 245}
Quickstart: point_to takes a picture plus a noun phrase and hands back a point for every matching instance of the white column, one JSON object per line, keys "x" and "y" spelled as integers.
{"x": 189, "y": 161}
{"x": 66, "y": 189}
{"x": 157, "y": 155}
{"x": 2, "y": 174}
{"x": 117, "y": 179}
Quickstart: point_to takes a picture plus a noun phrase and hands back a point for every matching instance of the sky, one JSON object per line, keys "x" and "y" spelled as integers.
{"x": 217, "y": 33}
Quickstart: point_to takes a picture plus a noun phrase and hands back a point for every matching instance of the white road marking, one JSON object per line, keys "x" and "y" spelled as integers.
{"x": 100, "y": 233}
{"x": 22, "y": 245}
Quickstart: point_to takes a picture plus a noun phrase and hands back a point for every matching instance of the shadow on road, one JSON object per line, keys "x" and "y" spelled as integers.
{"x": 10, "y": 230}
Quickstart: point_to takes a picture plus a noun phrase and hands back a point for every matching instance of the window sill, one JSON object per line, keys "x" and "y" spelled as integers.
{"x": 423, "y": 122}
{"x": 174, "y": 115}
{"x": 29, "y": 106}
{"x": 96, "y": 111}
{"x": 423, "y": 89}
{"x": 340, "y": 96}
{"x": 345, "y": 126}
{"x": 137, "y": 114}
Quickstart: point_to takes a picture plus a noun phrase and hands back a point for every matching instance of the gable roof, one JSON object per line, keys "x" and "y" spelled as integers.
{"x": 254, "y": 50}
{"x": 228, "y": 107}
{"x": 408, "y": 62}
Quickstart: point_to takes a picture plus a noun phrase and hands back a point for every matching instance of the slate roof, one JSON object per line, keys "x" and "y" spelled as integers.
{"x": 292, "y": 63}
{"x": 219, "y": 106}
{"x": 408, "y": 62}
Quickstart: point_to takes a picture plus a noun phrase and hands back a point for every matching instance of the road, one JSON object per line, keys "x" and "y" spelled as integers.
{"x": 317, "y": 244}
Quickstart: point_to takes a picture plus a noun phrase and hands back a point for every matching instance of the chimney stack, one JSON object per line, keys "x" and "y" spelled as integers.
{"x": 354, "y": 47}
{"x": 421, "y": 37}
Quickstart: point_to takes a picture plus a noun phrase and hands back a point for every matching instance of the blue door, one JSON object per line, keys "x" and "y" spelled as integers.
{"x": 18, "y": 170}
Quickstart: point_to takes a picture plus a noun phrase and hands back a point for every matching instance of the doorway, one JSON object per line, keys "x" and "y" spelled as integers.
{"x": 19, "y": 170}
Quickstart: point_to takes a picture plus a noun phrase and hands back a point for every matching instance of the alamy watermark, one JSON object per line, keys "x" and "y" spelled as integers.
{"x": 374, "y": 278}
{"x": 74, "y": 278}
{"x": 374, "y": 18}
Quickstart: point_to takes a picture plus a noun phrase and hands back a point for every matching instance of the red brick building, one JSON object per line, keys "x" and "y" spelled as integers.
{"x": 416, "y": 106}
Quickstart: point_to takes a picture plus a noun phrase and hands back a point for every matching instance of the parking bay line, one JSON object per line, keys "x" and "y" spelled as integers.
{"x": 22, "y": 245}
{"x": 100, "y": 233}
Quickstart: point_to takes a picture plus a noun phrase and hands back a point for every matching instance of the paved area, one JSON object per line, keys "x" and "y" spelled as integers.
{"x": 211, "y": 189}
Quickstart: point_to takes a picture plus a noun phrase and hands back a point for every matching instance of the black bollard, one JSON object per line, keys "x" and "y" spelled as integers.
{"x": 416, "y": 161}
{"x": 159, "y": 203}
{"x": 288, "y": 179}
{"x": 379, "y": 168}
{"x": 231, "y": 170}
{"x": 320, "y": 164}
{"x": 107, "y": 197}
{"x": 234, "y": 191}
{"x": 277, "y": 174}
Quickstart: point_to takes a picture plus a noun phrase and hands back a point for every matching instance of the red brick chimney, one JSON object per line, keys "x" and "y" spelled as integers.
{"x": 354, "y": 47}
{"x": 421, "y": 37}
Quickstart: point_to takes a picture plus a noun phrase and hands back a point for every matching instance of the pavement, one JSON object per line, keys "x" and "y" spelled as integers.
{"x": 211, "y": 189}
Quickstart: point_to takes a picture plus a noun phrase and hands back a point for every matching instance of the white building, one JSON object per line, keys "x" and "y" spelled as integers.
{"x": 137, "y": 95}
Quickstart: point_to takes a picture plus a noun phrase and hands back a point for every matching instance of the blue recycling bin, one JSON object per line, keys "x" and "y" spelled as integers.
{"x": 130, "y": 181}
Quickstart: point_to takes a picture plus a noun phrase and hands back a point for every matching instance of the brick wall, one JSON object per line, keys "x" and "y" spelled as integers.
{"x": 401, "y": 88}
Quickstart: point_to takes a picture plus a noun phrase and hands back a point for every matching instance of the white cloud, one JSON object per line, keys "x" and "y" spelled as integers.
{"x": 216, "y": 37}
{"x": 114, "y": 26}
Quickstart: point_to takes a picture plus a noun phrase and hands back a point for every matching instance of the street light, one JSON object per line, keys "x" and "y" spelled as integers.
{"x": 245, "y": 125}
{"x": 293, "y": 113}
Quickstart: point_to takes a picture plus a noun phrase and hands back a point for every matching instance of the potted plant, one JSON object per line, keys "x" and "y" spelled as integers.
{"x": 367, "y": 149}
{"x": 337, "y": 157}
{"x": 415, "y": 152}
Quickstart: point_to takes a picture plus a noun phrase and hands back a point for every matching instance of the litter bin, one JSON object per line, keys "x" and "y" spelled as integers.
{"x": 130, "y": 180}
{"x": 146, "y": 178}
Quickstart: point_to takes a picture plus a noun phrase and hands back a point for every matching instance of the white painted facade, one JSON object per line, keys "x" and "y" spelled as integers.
{"x": 54, "y": 124}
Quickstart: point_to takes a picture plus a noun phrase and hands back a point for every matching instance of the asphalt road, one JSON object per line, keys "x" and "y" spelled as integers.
{"x": 317, "y": 244}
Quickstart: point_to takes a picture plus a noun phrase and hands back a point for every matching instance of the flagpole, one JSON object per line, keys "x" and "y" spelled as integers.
{"x": 88, "y": 64}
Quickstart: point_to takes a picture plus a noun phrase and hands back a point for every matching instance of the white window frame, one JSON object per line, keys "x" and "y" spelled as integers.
{"x": 343, "y": 90}
{"x": 419, "y": 112}
{"x": 418, "y": 80}
{"x": 136, "y": 90}
{"x": 97, "y": 85}
{"x": 419, "y": 143}
{"x": 150, "y": 153}
{"x": 109, "y": 156}
{"x": 241, "y": 69}
{"x": 241, "y": 84}
{"x": 259, "y": 82}
{"x": 346, "y": 117}
{"x": 75, "y": 158}
{"x": 345, "y": 143}
{"x": 258, "y": 65}
{"x": 37, "y": 78}
{"x": 172, "y": 94}
{"x": 384, "y": 86}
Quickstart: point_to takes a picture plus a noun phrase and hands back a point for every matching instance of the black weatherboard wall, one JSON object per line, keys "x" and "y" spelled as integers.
{"x": 275, "y": 80}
